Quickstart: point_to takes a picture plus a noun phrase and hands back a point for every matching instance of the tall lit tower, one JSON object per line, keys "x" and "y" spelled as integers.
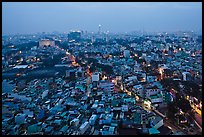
{"x": 99, "y": 29}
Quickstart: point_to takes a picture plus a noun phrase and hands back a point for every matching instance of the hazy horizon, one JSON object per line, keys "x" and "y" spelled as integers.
{"x": 33, "y": 17}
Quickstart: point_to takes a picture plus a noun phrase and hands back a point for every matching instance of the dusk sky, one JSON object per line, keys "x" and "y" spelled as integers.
{"x": 32, "y": 17}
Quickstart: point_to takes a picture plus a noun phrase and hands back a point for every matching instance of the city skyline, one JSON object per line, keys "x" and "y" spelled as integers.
{"x": 36, "y": 17}
{"x": 99, "y": 69}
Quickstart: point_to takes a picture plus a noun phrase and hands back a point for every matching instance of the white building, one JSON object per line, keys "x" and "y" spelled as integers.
{"x": 95, "y": 77}
{"x": 185, "y": 75}
{"x": 21, "y": 66}
{"x": 124, "y": 108}
{"x": 107, "y": 86}
{"x": 126, "y": 53}
{"x": 92, "y": 119}
{"x": 84, "y": 127}
{"x": 46, "y": 42}
{"x": 44, "y": 94}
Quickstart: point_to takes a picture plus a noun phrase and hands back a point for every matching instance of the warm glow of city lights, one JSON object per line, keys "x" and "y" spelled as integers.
{"x": 104, "y": 77}
{"x": 161, "y": 71}
{"x": 89, "y": 81}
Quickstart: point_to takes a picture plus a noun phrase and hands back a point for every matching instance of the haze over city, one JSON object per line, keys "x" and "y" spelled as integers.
{"x": 33, "y": 17}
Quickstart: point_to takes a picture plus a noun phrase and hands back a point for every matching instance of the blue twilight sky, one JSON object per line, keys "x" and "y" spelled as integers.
{"x": 32, "y": 17}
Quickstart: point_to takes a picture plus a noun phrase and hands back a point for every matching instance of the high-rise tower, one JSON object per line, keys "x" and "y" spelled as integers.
{"x": 99, "y": 29}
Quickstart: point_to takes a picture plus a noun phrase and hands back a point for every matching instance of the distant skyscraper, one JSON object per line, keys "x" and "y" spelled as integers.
{"x": 99, "y": 29}
{"x": 93, "y": 39}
